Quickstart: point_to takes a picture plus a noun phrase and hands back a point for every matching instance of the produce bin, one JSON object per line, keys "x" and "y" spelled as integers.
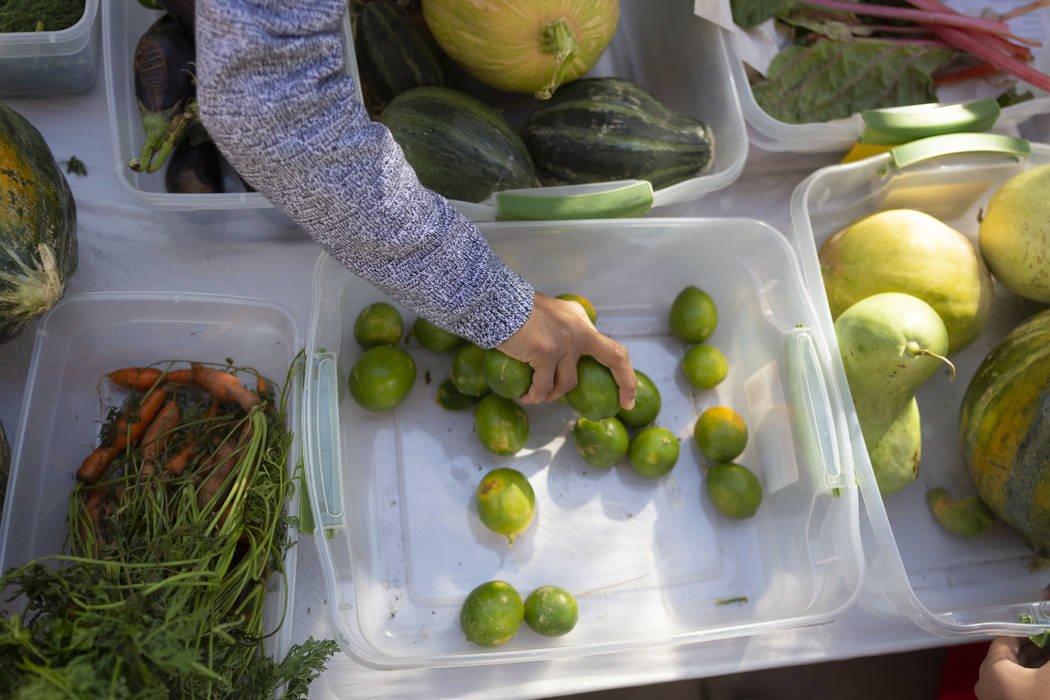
{"x": 86, "y": 336}
{"x": 649, "y": 38}
{"x": 235, "y": 214}
{"x": 51, "y": 63}
{"x": 650, "y": 561}
{"x": 771, "y": 134}
{"x": 947, "y": 584}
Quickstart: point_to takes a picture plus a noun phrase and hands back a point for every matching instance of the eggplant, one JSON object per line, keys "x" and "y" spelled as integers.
{"x": 195, "y": 166}
{"x": 165, "y": 90}
{"x": 182, "y": 10}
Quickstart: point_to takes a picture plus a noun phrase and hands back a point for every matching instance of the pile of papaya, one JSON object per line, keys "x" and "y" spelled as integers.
{"x": 907, "y": 292}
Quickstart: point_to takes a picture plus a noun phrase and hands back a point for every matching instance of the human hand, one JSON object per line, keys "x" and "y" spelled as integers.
{"x": 1003, "y": 677}
{"x": 552, "y": 340}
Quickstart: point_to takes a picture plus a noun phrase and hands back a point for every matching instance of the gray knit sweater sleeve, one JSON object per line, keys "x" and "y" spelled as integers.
{"x": 274, "y": 96}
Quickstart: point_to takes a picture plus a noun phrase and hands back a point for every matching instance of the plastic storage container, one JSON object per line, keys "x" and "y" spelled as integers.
{"x": 86, "y": 336}
{"x": 649, "y": 560}
{"x": 649, "y": 38}
{"x": 246, "y": 214}
{"x": 947, "y": 584}
{"x": 771, "y": 134}
{"x": 50, "y": 63}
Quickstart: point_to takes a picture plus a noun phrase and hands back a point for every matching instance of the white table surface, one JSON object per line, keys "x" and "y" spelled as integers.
{"x": 125, "y": 246}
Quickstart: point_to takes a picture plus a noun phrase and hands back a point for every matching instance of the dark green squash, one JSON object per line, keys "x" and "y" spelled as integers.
{"x": 459, "y": 146}
{"x": 394, "y": 52}
{"x": 604, "y": 129}
{"x": 1005, "y": 430}
{"x": 38, "y": 221}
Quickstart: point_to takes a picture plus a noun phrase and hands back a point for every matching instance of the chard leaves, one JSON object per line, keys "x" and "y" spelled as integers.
{"x": 835, "y": 79}
{"x": 751, "y": 13}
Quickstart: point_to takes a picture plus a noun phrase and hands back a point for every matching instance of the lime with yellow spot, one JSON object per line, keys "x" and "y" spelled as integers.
{"x": 506, "y": 502}
{"x": 720, "y": 433}
{"x": 491, "y": 614}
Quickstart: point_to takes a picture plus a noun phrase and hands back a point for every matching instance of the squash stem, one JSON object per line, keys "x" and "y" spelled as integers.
{"x": 558, "y": 39}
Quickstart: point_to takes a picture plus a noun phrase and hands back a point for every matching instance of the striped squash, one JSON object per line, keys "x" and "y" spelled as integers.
{"x": 602, "y": 129}
{"x": 394, "y": 52}
{"x": 1005, "y": 430}
{"x": 459, "y": 146}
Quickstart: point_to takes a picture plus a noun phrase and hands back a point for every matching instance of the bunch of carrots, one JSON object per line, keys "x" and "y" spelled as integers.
{"x": 177, "y": 523}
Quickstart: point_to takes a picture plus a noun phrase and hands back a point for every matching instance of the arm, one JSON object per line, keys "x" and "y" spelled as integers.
{"x": 274, "y": 96}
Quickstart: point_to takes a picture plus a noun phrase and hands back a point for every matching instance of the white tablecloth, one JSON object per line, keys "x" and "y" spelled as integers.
{"x": 126, "y": 246}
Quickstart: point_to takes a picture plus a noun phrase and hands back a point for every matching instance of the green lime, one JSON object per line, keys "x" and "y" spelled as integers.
{"x": 588, "y": 307}
{"x": 506, "y": 376}
{"x": 646, "y": 404}
{"x": 468, "y": 371}
{"x": 734, "y": 490}
{"x": 551, "y": 611}
{"x": 378, "y": 324}
{"x": 382, "y": 377}
{"x": 596, "y": 395}
{"x": 491, "y": 614}
{"x": 704, "y": 366}
{"x": 506, "y": 502}
{"x": 601, "y": 443}
{"x": 501, "y": 424}
{"x": 653, "y": 451}
{"x": 452, "y": 399}
{"x": 433, "y": 338}
{"x": 693, "y": 315}
{"x": 720, "y": 433}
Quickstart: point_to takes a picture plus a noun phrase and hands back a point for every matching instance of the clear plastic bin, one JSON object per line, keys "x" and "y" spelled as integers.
{"x": 649, "y": 560}
{"x": 51, "y": 63}
{"x": 649, "y": 38}
{"x": 86, "y": 336}
{"x": 235, "y": 214}
{"x": 947, "y": 584}
{"x": 770, "y": 134}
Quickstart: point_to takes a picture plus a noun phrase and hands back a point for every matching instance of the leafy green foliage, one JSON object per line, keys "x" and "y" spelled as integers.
{"x": 163, "y": 593}
{"x": 39, "y": 15}
{"x": 751, "y": 13}
{"x": 74, "y": 166}
{"x": 834, "y": 79}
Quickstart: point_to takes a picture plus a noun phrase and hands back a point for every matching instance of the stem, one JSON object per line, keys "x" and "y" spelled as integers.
{"x": 1024, "y": 9}
{"x": 988, "y": 25}
{"x": 914, "y": 349}
{"x": 557, "y": 38}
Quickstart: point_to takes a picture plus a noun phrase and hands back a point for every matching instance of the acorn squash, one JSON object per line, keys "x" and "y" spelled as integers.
{"x": 394, "y": 52}
{"x": 38, "y": 241}
{"x": 1005, "y": 430}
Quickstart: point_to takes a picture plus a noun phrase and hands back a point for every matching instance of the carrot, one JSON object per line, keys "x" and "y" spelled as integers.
{"x": 223, "y": 387}
{"x": 130, "y": 426}
{"x": 130, "y": 431}
{"x": 156, "y": 435}
{"x": 143, "y": 378}
{"x": 177, "y": 464}
{"x": 95, "y": 463}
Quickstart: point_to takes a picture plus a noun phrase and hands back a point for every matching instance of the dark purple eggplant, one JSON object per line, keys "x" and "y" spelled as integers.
{"x": 165, "y": 89}
{"x": 195, "y": 166}
{"x": 182, "y": 10}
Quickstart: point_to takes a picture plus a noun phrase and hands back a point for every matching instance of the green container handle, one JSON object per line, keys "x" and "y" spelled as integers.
{"x": 949, "y": 144}
{"x": 892, "y": 126}
{"x": 608, "y": 200}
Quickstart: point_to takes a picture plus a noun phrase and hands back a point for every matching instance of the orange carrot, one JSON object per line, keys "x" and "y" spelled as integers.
{"x": 131, "y": 425}
{"x": 177, "y": 464}
{"x": 95, "y": 463}
{"x": 143, "y": 378}
{"x": 130, "y": 431}
{"x": 224, "y": 387}
{"x": 156, "y": 435}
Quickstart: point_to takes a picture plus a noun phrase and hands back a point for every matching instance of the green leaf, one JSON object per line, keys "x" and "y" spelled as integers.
{"x": 835, "y": 79}
{"x": 751, "y": 13}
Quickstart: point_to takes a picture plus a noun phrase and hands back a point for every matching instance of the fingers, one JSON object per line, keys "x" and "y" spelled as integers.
{"x": 618, "y": 360}
{"x": 565, "y": 377}
{"x": 1003, "y": 649}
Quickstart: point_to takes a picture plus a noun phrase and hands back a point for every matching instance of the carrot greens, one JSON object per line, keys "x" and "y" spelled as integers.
{"x": 162, "y": 594}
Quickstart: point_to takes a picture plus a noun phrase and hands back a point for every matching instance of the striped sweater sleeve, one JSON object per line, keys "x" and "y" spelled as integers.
{"x": 274, "y": 95}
